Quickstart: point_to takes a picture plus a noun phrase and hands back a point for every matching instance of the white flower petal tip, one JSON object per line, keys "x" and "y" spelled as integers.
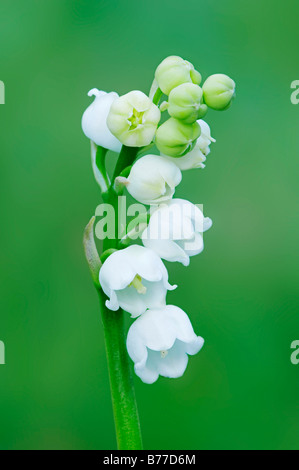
{"x": 171, "y": 287}
{"x": 204, "y": 141}
{"x": 153, "y": 179}
{"x": 159, "y": 343}
{"x": 94, "y": 120}
{"x": 97, "y": 93}
{"x": 134, "y": 279}
{"x": 207, "y": 223}
{"x": 175, "y": 231}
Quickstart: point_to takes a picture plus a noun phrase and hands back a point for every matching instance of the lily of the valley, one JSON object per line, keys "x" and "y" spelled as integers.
{"x": 173, "y": 71}
{"x": 197, "y": 156}
{"x": 153, "y": 179}
{"x": 133, "y": 119}
{"x": 176, "y": 138}
{"x": 218, "y": 91}
{"x": 94, "y": 120}
{"x": 159, "y": 343}
{"x": 134, "y": 279}
{"x": 175, "y": 231}
{"x": 185, "y": 102}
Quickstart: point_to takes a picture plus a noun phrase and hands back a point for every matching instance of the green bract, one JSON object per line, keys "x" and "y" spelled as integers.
{"x": 174, "y": 71}
{"x": 133, "y": 119}
{"x": 218, "y": 91}
{"x": 175, "y": 138}
{"x": 186, "y": 102}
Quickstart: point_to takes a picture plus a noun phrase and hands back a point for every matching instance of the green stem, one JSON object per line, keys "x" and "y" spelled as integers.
{"x": 157, "y": 96}
{"x": 100, "y": 163}
{"x": 120, "y": 369}
{"x": 124, "y": 404}
{"x": 98, "y": 155}
{"x": 111, "y": 197}
{"x": 126, "y": 418}
{"x": 145, "y": 149}
{"x": 126, "y": 158}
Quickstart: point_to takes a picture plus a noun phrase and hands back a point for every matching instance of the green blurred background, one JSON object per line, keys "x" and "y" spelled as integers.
{"x": 241, "y": 391}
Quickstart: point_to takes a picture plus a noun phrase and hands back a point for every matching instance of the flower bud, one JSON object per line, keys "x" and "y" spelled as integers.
{"x": 174, "y": 71}
{"x": 185, "y": 102}
{"x": 218, "y": 91}
{"x": 94, "y": 120}
{"x": 197, "y": 157}
{"x": 153, "y": 179}
{"x": 175, "y": 138}
{"x": 133, "y": 119}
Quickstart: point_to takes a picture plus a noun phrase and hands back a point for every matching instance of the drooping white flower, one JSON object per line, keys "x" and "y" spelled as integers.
{"x": 175, "y": 231}
{"x": 133, "y": 119}
{"x": 153, "y": 179}
{"x": 94, "y": 120}
{"x": 134, "y": 279}
{"x": 197, "y": 156}
{"x": 159, "y": 343}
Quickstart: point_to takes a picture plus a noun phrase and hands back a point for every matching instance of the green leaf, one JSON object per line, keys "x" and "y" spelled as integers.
{"x": 91, "y": 252}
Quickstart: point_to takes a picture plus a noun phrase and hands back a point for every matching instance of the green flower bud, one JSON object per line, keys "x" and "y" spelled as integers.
{"x": 218, "y": 91}
{"x": 174, "y": 71}
{"x": 175, "y": 138}
{"x": 186, "y": 102}
{"x": 133, "y": 119}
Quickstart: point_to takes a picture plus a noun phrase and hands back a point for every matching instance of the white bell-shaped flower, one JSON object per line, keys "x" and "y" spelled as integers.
{"x": 159, "y": 343}
{"x": 134, "y": 279}
{"x": 94, "y": 120}
{"x": 197, "y": 156}
{"x": 175, "y": 231}
{"x": 153, "y": 179}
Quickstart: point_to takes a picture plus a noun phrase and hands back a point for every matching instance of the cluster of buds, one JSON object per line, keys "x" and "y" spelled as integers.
{"x": 134, "y": 278}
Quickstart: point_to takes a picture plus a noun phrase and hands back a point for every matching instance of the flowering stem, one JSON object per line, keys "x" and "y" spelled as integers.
{"x": 124, "y": 404}
{"x": 126, "y": 418}
{"x": 157, "y": 96}
{"x": 98, "y": 155}
{"x": 100, "y": 162}
{"x": 120, "y": 370}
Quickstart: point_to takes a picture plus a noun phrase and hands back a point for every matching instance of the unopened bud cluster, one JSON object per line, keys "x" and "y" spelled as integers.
{"x": 187, "y": 103}
{"x": 134, "y": 119}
